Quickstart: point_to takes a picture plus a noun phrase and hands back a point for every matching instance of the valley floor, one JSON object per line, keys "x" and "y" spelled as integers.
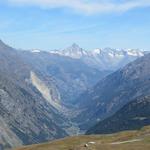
{"x": 128, "y": 140}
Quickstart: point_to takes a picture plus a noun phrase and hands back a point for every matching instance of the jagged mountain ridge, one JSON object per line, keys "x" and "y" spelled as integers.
{"x": 132, "y": 116}
{"x": 114, "y": 91}
{"x": 102, "y": 59}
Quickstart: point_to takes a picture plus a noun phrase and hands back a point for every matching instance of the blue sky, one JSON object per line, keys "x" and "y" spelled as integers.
{"x": 51, "y": 24}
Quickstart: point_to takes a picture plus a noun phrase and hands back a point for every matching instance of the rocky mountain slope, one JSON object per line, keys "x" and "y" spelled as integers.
{"x": 114, "y": 91}
{"x": 102, "y": 59}
{"x": 25, "y": 115}
{"x": 132, "y": 116}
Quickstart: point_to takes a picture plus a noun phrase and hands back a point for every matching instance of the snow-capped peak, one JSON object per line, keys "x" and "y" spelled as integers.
{"x": 74, "y": 51}
{"x": 77, "y": 52}
{"x": 97, "y": 51}
{"x": 135, "y": 52}
{"x": 75, "y": 46}
{"x": 35, "y": 51}
{"x": 106, "y": 58}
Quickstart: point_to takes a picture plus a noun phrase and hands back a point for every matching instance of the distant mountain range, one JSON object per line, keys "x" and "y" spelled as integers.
{"x": 102, "y": 59}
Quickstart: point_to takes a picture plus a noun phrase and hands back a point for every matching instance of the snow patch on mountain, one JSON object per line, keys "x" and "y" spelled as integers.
{"x": 35, "y": 51}
{"x": 103, "y": 59}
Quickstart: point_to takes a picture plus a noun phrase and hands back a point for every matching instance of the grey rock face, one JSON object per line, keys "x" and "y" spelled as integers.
{"x": 24, "y": 112}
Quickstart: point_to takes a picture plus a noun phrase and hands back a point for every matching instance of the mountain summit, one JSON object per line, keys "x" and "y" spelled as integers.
{"x": 76, "y": 46}
{"x": 74, "y": 51}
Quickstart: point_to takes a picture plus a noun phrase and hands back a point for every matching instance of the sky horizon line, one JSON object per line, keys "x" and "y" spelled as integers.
{"x": 74, "y": 43}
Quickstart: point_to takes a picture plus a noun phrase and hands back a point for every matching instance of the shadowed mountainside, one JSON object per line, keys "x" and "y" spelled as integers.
{"x": 132, "y": 116}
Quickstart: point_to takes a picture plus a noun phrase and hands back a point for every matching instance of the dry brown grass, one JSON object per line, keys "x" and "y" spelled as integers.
{"x": 102, "y": 142}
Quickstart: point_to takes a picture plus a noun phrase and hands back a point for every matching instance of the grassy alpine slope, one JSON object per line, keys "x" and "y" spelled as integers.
{"x": 129, "y": 140}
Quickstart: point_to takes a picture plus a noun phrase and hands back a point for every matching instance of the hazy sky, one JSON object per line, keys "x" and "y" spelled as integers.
{"x": 54, "y": 24}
